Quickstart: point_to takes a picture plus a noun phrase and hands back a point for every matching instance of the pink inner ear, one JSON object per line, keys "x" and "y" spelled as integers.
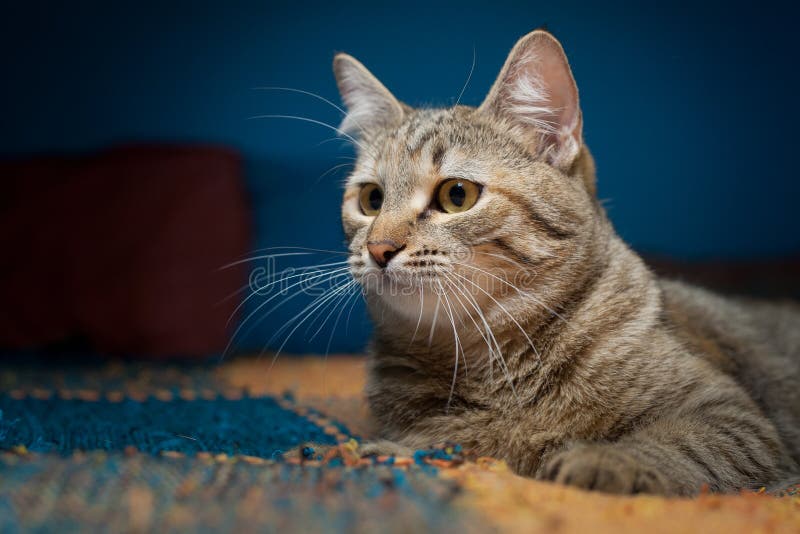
{"x": 538, "y": 93}
{"x": 556, "y": 76}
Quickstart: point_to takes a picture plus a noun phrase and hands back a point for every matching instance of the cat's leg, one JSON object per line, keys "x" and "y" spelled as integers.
{"x": 675, "y": 456}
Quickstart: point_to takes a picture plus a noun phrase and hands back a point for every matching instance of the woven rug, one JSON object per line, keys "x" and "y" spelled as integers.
{"x": 151, "y": 447}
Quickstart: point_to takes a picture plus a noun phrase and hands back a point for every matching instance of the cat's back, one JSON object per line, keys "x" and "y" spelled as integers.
{"x": 756, "y": 342}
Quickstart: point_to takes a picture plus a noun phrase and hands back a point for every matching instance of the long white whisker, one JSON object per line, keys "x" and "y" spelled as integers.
{"x": 535, "y": 350}
{"x": 267, "y": 301}
{"x": 421, "y": 309}
{"x": 469, "y": 76}
{"x": 315, "y": 304}
{"x": 284, "y": 279}
{"x": 333, "y": 305}
{"x": 292, "y": 247}
{"x": 499, "y": 352}
{"x": 525, "y": 294}
{"x": 489, "y": 335}
{"x": 350, "y": 297}
{"x": 314, "y": 95}
{"x": 435, "y": 318}
{"x": 332, "y": 169}
{"x": 453, "y": 316}
{"x": 329, "y": 296}
{"x": 313, "y": 121}
{"x": 455, "y": 365}
{"x": 478, "y": 328}
{"x": 266, "y": 257}
{"x": 302, "y": 92}
{"x": 302, "y": 270}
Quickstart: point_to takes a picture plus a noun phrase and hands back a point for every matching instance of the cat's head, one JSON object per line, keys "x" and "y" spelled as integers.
{"x": 476, "y": 203}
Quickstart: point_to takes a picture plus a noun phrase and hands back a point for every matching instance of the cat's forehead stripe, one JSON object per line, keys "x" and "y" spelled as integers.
{"x": 423, "y": 126}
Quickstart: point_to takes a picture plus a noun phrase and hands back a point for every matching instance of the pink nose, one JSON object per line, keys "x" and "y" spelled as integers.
{"x": 383, "y": 251}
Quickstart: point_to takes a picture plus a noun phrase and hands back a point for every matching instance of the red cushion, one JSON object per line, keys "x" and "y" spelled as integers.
{"x": 123, "y": 248}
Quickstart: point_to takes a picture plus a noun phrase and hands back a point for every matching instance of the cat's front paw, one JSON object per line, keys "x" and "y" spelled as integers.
{"x": 603, "y": 468}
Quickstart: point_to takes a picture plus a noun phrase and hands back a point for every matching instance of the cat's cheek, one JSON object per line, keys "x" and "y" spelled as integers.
{"x": 354, "y": 225}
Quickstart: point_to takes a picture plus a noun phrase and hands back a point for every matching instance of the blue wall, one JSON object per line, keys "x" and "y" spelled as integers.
{"x": 690, "y": 110}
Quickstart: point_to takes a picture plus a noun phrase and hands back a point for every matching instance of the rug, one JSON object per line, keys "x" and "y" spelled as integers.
{"x": 137, "y": 447}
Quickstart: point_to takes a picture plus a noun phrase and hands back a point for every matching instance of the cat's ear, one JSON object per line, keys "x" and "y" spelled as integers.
{"x": 536, "y": 93}
{"x": 369, "y": 104}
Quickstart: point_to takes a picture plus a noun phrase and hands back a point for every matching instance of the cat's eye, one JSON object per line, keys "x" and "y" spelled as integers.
{"x": 370, "y": 199}
{"x": 457, "y": 195}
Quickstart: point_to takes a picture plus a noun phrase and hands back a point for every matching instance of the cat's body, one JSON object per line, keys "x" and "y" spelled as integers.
{"x": 669, "y": 389}
{"x": 510, "y": 317}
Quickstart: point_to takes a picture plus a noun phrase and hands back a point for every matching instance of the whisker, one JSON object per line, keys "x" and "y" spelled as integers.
{"x": 526, "y": 294}
{"x": 314, "y": 95}
{"x": 315, "y": 304}
{"x": 535, "y": 350}
{"x": 351, "y": 297}
{"x": 302, "y": 92}
{"x": 332, "y": 169}
{"x": 331, "y": 294}
{"x": 421, "y": 309}
{"x": 260, "y": 289}
{"x": 435, "y": 318}
{"x": 267, "y": 257}
{"x": 469, "y": 76}
{"x": 319, "y": 277}
{"x": 312, "y": 310}
{"x": 350, "y": 312}
{"x": 453, "y": 316}
{"x": 489, "y": 334}
{"x": 313, "y": 121}
{"x": 455, "y": 365}
{"x": 293, "y": 247}
{"x": 332, "y": 305}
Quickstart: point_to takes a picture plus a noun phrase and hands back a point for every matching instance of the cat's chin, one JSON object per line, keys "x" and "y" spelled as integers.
{"x": 416, "y": 298}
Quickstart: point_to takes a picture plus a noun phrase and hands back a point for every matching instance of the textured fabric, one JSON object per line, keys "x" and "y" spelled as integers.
{"x": 148, "y": 447}
{"x": 122, "y": 250}
{"x": 254, "y": 427}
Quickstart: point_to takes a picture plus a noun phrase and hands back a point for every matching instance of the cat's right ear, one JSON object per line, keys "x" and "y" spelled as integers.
{"x": 369, "y": 104}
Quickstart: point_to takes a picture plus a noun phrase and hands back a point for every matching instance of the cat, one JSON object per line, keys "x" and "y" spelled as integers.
{"x": 511, "y": 318}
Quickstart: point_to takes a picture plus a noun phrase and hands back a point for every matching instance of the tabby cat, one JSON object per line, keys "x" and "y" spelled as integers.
{"x": 512, "y": 319}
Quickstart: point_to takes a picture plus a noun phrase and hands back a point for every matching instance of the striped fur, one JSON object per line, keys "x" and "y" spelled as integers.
{"x": 572, "y": 361}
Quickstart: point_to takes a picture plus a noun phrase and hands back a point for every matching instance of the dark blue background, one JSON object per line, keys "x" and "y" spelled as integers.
{"x": 689, "y": 109}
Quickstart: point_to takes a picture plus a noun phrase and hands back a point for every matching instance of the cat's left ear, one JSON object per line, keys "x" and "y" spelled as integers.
{"x": 369, "y": 104}
{"x": 536, "y": 93}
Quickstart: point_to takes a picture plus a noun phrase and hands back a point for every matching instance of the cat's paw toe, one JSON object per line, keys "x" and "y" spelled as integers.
{"x": 603, "y": 468}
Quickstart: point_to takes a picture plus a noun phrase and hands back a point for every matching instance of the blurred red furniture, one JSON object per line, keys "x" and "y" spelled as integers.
{"x": 122, "y": 249}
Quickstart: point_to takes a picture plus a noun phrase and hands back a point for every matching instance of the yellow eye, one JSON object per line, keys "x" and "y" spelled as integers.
{"x": 457, "y": 195}
{"x": 370, "y": 199}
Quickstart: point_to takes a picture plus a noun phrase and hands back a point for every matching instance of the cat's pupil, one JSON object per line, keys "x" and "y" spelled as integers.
{"x": 375, "y": 199}
{"x": 457, "y": 194}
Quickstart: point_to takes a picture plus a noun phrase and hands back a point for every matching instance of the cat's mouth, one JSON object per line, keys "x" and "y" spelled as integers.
{"x": 401, "y": 276}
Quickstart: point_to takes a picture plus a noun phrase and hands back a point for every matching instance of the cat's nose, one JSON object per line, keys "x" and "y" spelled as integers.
{"x": 383, "y": 251}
